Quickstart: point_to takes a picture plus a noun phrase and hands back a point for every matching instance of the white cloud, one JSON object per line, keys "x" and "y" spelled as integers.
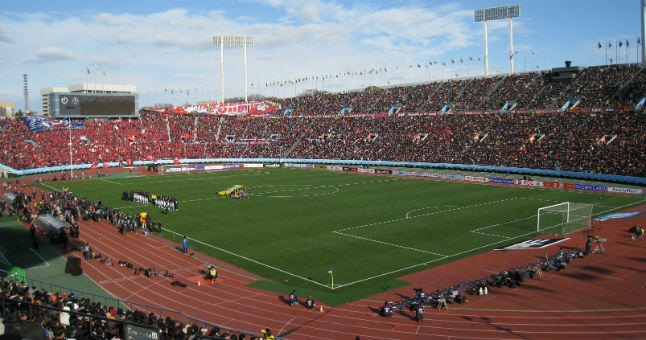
{"x": 115, "y": 20}
{"x": 4, "y": 37}
{"x": 51, "y": 54}
{"x": 245, "y": 18}
{"x": 175, "y": 46}
{"x": 310, "y": 11}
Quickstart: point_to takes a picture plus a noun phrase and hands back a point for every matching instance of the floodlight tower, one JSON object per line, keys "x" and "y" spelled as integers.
{"x": 25, "y": 89}
{"x": 230, "y": 40}
{"x": 496, "y": 13}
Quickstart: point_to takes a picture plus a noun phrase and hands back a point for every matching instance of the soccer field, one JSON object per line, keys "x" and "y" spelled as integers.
{"x": 299, "y": 223}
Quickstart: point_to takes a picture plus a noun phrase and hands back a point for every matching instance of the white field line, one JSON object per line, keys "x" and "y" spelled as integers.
{"x": 308, "y": 187}
{"x": 49, "y": 186}
{"x": 408, "y": 214}
{"x": 252, "y": 260}
{"x": 46, "y": 263}
{"x": 338, "y": 231}
{"x": 504, "y": 222}
{"x": 424, "y": 215}
{"x": 387, "y": 243}
{"x": 477, "y": 230}
{"x": 337, "y": 286}
{"x": 255, "y": 194}
{"x": 492, "y": 235}
{"x": 264, "y": 194}
{"x": 435, "y": 260}
{"x": 111, "y": 182}
{"x": 5, "y": 259}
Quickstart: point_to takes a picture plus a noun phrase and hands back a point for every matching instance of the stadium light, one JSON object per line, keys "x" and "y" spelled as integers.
{"x": 232, "y": 40}
{"x": 69, "y": 129}
{"x": 497, "y": 13}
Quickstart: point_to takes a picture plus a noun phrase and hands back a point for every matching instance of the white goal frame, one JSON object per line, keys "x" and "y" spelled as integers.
{"x": 538, "y": 219}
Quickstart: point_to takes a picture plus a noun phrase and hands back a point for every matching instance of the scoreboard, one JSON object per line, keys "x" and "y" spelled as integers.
{"x": 91, "y": 105}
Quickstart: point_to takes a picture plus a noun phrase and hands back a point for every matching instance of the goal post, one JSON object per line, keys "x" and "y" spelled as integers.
{"x": 563, "y": 218}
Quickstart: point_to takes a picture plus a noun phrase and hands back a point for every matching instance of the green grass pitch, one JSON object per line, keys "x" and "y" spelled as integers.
{"x": 299, "y": 223}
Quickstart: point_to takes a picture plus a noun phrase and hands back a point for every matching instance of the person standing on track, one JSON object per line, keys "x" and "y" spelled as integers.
{"x": 419, "y": 313}
{"x": 185, "y": 244}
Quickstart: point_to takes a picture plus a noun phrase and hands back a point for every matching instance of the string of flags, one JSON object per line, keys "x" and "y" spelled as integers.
{"x": 338, "y": 75}
{"x": 618, "y": 42}
{"x": 368, "y": 71}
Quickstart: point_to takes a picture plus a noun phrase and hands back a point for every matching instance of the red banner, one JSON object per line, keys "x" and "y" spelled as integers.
{"x": 229, "y": 109}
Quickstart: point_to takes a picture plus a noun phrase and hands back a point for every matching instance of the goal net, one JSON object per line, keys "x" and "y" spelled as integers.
{"x": 563, "y": 218}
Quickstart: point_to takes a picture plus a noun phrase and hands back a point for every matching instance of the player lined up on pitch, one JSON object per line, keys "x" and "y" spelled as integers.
{"x": 166, "y": 202}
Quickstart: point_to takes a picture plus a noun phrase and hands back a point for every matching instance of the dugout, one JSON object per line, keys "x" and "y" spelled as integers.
{"x": 50, "y": 226}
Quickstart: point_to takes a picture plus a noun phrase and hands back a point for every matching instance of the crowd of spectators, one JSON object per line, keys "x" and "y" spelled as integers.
{"x": 73, "y": 208}
{"x": 460, "y": 293}
{"x": 31, "y": 313}
{"x": 596, "y": 140}
{"x": 619, "y": 86}
{"x": 28, "y": 312}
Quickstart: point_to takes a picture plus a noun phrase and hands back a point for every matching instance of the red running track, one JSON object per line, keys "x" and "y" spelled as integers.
{"x": 597, "y": 297}
{"x": 601, "y": 296}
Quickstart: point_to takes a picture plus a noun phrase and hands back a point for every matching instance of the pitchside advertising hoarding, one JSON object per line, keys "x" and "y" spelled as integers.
{"x": 494, "y": 180}
{"x": 85, "y": 105}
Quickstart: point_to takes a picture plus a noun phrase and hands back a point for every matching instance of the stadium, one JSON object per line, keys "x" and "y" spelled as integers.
{"x": 497, "y": 206}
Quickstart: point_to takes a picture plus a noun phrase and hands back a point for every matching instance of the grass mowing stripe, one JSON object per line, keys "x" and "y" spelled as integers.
{"x": 296, "y": 235}
{"x": 248, "y": 259}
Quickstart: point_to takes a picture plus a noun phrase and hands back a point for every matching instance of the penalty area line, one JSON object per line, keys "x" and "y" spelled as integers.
{"x": 407, "y": 216}
{"x": 388, "y": 243}
{"x": 429, "y": 262}
{"x": 337, "y": 286}
{"x": 111, "y": 182}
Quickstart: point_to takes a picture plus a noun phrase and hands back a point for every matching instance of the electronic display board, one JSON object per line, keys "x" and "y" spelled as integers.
{"x": 93, "y": 105}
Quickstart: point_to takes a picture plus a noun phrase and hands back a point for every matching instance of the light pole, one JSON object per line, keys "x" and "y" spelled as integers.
{"x": 69, "y": 128}
{"x": 497, "y": 13}
{"x": 232, "y": 40}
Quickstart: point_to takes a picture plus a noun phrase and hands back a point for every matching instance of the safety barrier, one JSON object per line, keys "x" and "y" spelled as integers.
{"x": 419, "y": 165}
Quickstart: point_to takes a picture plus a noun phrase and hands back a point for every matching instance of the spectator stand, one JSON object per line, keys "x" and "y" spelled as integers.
{"x": 102, "y": 300}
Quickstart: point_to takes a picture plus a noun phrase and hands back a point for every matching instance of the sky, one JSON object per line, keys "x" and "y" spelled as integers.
{"x": 163, "y": 47}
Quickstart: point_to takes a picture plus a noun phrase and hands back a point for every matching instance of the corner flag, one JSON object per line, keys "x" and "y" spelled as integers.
{"x": 331, "y": 272}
